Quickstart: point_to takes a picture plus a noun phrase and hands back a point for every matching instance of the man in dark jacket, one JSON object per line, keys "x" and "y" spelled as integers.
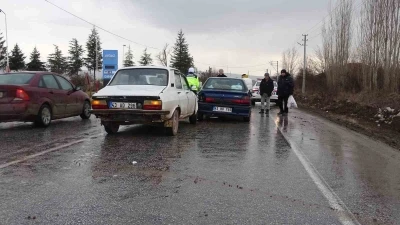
{"x": 285, "y": 89}
{"x": 266, "y": 88}
{"x": 221, "y": 73}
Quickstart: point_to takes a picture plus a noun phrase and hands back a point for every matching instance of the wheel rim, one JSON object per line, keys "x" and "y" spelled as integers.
{"x": 86, "y": 109}
{"x": 175, "y": 123}
{"x": 46, "y": 115}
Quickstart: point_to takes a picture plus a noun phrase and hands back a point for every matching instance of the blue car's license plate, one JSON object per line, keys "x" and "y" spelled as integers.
{"x": 222, "y": 109}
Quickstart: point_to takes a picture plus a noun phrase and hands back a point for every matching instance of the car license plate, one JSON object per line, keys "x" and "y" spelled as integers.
{"x": 122, "y": 105}
{"x": 222, "y": 109}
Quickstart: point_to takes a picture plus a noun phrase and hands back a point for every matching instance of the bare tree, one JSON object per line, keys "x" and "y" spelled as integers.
{"x": 162, "y": 57}
{"x": 290, "y": 60}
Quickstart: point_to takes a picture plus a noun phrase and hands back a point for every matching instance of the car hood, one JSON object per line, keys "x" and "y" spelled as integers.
{"x": 130, "y": 90}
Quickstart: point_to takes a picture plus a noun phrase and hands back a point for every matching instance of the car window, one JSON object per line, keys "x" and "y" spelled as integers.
{"x": 184, "y": 83}
{"x": 65, "y": 85}
{"x": 178, "y": 82}
{"x": 258, "y": 83}
{"x": 225, "y": 84}
{"x": 50, "y": 81}
{"x": 16, "y": 78}
{"x": 140, "y": 76}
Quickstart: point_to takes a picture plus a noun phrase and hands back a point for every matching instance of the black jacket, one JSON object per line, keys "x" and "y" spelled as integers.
{"x": 285, "y": 85}
{"x": 266, "y": 87}
{"x": 221, "y": 75}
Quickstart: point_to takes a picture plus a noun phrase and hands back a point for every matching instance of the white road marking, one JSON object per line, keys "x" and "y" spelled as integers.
{"x": 2, "y": 166}
{"x": 346, "y": 217}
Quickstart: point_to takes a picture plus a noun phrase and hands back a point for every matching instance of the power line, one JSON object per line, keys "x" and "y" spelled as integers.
{"x": 100, "y": 27}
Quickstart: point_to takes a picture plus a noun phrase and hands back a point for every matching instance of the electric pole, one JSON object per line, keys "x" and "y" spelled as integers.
{"x": 303, "y": 87}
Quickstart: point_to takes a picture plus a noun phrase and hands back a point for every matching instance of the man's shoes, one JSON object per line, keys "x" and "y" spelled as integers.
{"x": 262, "y": 111}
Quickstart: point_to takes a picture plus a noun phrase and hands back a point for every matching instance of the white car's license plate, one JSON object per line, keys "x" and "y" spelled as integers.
{"x": 122, "y": 105}
{"x": 222, "y": 109}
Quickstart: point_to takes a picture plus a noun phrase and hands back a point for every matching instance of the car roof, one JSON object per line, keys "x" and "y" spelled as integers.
{"x": 230, "y": 78}
{"x": 148, "y": 67}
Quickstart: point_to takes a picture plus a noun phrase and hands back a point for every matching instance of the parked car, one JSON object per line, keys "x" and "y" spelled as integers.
{"x": 40, "y": 97}
{"x": 145, "y": 95}
{"x": 255, "y": 93}
{"x": 224, "y": 97}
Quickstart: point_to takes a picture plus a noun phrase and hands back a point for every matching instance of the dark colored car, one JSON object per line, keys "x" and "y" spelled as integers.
{"x": 40, "y": 97}
{"x": 224, "y": 97}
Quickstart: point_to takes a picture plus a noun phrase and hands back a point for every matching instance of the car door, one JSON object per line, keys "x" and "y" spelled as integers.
{"x": 74, "y": 105}
{"x": 51, "y": 90}
{"x": 189, "y": 95}
{"x": 183, "y": 101}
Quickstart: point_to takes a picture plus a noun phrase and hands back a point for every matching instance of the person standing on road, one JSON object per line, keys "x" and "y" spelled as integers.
{"x": 266, "y": 88}
{"x": 285, "y": 89}
{"x": 193, "y": 80}
{"x": 221, "y": 73}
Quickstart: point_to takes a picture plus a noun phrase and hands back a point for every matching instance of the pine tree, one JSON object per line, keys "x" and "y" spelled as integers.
{"x": 128, "y": 61}
{"x": 17, "y": 59}
{"x": 181, "y": 58}
{"x": 146, "y": 59}
{"x": 90, "y": 60}
{"x": 57, "y": 63}
{"x": 3, "y": 52}
{"x": 75, "y": 60}
{"x": 35, "y": 64}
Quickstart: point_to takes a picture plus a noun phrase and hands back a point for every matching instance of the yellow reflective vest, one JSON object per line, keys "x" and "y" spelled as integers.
{"x": 193, "y": 81}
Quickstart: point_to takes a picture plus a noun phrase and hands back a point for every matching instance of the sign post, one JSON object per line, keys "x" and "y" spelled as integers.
{"x": 110, "y": 65}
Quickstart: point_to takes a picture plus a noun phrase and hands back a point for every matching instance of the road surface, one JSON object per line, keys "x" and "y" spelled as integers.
{"x": 299, "y": 169}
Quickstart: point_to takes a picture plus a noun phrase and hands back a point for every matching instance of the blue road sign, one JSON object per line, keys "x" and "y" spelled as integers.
{"x": 110, "y": 63}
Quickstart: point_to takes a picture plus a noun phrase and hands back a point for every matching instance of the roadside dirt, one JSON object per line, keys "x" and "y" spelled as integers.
{"x": 378, "y": 119}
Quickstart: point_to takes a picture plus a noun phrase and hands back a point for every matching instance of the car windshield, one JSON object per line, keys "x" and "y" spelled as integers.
{"x": 140, "y": 76}
{"x": 16, "y": 78}
{"x": 225, "y": 84}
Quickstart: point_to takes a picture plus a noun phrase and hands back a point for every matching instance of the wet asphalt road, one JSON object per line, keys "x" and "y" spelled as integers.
{"x": 293, "y": 170}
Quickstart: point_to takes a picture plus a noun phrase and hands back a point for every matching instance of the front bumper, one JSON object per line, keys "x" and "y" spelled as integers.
{"x": 257, "y": 98}
{"x": 131, "y": 116}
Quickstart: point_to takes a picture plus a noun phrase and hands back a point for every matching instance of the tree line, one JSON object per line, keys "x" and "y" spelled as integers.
{"x": 72, "y": 64}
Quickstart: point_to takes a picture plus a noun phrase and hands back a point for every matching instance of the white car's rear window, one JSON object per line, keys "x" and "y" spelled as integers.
{"x": 141, "y": 76}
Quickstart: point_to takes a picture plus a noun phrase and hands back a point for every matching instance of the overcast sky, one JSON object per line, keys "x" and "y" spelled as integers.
{"x": 220, "y": 33}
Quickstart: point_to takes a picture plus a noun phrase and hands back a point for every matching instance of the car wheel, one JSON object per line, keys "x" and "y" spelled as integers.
{"x": 193, "y": 118}
{"x": 253, "y": 103}
{"x": 200, "y": 116}
{"x": 86, "y": 111}
{"x": 111, "y": 128}
{"x": 173, "y": 130}
{"x": 44, "y": 116}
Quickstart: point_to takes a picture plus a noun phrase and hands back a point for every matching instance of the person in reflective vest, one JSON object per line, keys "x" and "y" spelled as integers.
{"x": 193, "y": 80}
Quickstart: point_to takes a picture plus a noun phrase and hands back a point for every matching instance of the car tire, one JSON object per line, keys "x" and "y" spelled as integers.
{"x": 253, "y": 103}
{"x": 44, "y": 116}
{"x": 86, "y": 111}
{"x": 193, "y": 118}
{"x": 246, "y": 119}
{"x": 111, "y": 128}
{"x": 172, "y": 131}
{"x": 200, "y": 116}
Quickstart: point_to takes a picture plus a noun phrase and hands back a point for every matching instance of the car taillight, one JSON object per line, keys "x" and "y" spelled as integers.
{"x": 21, "y": 95}
{"x": 99, "y": 104}
{"x": 243, "y": 101}
{"x": 208, "y": 99}
{"x": 152, "y": 105}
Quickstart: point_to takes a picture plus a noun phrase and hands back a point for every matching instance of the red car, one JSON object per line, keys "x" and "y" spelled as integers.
{"x": 40, "y": 97}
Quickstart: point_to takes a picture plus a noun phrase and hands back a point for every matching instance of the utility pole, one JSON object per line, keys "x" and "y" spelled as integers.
{"x": 303, "y": 87}
{"x": 8, "y": 62}
{"x": 123, "y": 56}
{"x": 273, "y": 63}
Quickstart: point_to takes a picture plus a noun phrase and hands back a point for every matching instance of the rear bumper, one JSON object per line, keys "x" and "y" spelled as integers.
{"x": 133, "y": 116}
{"x": 16, "y": 111}
{"x": 207, "y": 109}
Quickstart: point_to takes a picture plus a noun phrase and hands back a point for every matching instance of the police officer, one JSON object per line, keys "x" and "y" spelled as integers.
{"x": 193, "y": 80}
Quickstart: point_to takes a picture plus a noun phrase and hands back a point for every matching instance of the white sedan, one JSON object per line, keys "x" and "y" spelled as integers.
{"x": 145, "y": 95}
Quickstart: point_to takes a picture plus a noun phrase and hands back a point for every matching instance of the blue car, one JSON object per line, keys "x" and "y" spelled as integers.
{"x": 224, "y": 97}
